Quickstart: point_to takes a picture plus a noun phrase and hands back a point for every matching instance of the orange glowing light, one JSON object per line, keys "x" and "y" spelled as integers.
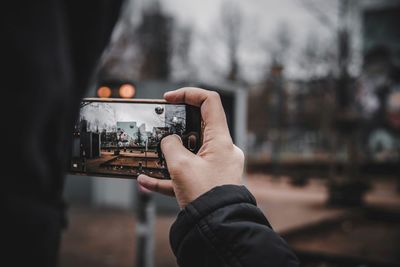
{"x": 104, "y": 92}
{"x": 127, "y": 91}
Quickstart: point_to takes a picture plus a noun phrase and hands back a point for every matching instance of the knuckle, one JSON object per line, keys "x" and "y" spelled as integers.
{"x": 214, "y": 95}
{"x": 223, "y": 142}
{"x": 156, "y": 186}
{"x": 239, "y": 153}
{"x": 226, "y": 144}
{"x": 178, "y": 164}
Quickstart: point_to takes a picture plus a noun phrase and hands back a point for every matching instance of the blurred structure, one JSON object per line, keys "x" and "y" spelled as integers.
{"x": 333, "y": 120}
{"x": 342, "y": 126}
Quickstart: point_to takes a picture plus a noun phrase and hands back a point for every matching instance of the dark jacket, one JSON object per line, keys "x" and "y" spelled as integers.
{"x": 224, "y": 227}
{"x": 48, "y": 52}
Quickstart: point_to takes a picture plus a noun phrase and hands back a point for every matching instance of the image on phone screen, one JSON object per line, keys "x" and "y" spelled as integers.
{"x": 121, "y": 139}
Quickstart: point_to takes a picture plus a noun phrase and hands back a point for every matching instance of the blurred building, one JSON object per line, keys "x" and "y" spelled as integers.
{"x": 296, "y": 117}
{"x": 293, "y": 114}
{"x": 379, "y": 82}
{"x": 131, "y": 133}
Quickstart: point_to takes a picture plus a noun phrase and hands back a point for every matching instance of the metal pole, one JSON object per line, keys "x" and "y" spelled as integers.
{"x": 145, "y": 151}
{"x": 145, "y": 214}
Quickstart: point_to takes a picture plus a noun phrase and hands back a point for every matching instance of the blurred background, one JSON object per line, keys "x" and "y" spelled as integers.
{"x": 311, "y": 89}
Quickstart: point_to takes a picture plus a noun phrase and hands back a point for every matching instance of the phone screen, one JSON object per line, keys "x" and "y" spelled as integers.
{"x": 121, "y": 138}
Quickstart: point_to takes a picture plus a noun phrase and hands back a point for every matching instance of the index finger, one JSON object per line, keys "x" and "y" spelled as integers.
{"x": 212, "y": 111}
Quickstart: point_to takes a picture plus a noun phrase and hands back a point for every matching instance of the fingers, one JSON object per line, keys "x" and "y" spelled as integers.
{"x": 156, "y": 185}
{"x": 174, "y": 152}
{"x": 143, "y": 189}
{"x": 212, "y": 111}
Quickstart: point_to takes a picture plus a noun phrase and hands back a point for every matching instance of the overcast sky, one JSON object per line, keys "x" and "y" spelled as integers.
{"x": 141, "y": 113}
{"x": 204, "y": 13}
{"x": 263, "y": 17}
{"x": 261, "y": 21}
{"x": 109, "y": 114}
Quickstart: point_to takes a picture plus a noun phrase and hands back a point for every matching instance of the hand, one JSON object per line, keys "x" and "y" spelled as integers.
{"x": 218, "y": 161}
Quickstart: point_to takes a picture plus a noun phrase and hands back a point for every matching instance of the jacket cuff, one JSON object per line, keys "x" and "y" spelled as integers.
{"x": 216, "y": 198}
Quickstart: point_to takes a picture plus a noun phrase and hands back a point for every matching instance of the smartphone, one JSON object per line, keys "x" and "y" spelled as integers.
{"x": 121, "y": 138}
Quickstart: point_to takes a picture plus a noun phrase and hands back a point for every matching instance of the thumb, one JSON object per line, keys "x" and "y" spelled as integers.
{"x": 174, "y": 151}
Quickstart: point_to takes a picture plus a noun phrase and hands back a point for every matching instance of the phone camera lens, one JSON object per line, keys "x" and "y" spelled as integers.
{"x": 192, "y": 141}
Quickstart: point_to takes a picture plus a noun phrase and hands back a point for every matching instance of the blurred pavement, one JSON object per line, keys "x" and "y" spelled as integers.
{"x": 106, "y": 237}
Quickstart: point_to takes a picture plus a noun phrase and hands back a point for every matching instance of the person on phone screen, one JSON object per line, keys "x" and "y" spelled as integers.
{"x": 219, "y": 224}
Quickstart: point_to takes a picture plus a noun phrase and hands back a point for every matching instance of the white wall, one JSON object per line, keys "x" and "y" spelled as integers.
{"x": 113, "y": 192}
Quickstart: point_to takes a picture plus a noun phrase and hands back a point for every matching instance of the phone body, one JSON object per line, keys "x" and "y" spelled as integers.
{"x": 120, "y": 138}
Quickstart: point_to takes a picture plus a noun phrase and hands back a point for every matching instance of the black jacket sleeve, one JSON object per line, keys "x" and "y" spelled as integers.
{"x": 224, "y": 227}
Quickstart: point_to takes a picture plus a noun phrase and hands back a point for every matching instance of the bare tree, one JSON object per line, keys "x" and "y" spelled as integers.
{"x": 279, "y": 44}
{"x": 231, "y": 26}
{"x": 323, "y": 11}
{"x": 155, "y": 38}
{"x": 317, "y": 59}
{"x": 182, "y": 42}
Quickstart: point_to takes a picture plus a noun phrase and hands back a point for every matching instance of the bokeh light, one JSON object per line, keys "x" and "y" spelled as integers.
{"x": 127, "y": 91}
{"x": 104, "y": 92}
